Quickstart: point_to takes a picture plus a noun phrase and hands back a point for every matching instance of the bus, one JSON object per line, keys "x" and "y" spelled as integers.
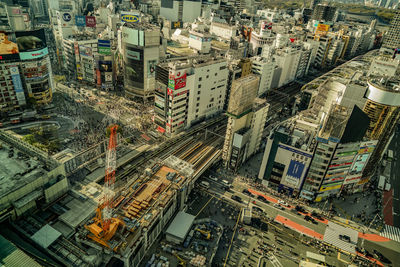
{"x": 381, "y": 182}
{"x": 390, "y": 154}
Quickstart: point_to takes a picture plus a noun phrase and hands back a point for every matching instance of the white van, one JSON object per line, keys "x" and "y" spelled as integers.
{"x": 226, "y": 182}
{"x": 205, "y": 184}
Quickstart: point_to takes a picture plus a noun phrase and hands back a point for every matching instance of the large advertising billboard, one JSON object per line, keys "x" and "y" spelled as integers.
{"x": 296, "y": 162}
{"x": 134, "y": 69}
{"x": 8, "y": 46}
{"x": 31, "y": 44}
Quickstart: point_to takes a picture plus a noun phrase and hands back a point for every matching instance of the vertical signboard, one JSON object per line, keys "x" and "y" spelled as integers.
{"x": 180, "y": 81}
{"x": 16, "y": 79}
{"x": 98, "y": 77}
{"x": 90, "y": 21}
{"x": 151, "y": 68}
{"x": 80, "y": 21}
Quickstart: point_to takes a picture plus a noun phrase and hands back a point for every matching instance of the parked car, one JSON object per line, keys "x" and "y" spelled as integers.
{"x": 276, "y": 205}
{"x": 236, "y": 198}
{"x": 300, "y": 208}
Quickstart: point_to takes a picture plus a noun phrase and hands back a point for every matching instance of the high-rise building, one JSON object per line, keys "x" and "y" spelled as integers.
{"x": 392, "y": 37}
{"x": 240, "y": 110}
{"x": 26, "y": 71}
{"x": 323, "y": 12}
{"x": 188, "y": 91}
{"x": 383, "y": 109}
{"x": 182, "y": 10}
{"x": 141, "y": 52}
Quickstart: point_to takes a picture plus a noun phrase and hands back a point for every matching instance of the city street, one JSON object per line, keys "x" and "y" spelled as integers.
{"x": 395, "y": 176}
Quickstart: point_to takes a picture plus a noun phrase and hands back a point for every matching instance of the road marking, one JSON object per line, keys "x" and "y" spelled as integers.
{"x": 205, "y": 205}
{"x": 233, "y": 236}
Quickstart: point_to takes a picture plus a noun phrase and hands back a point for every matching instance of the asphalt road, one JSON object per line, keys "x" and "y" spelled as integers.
{"x": 395, "y": 176}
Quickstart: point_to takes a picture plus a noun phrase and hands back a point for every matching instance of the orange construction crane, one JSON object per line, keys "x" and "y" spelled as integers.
{"x": 104, "y": 224}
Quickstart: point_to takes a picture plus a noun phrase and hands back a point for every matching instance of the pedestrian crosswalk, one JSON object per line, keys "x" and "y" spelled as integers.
{"x": 391, "y": 232}
{"x": 274, "y": 260}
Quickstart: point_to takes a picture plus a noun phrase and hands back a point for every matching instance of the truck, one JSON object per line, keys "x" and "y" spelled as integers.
{"x": 390, "y": 154}
{"x": 381, "y": 183}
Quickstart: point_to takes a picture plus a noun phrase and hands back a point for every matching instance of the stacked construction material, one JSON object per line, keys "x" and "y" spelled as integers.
{"x": 199, "y": 260}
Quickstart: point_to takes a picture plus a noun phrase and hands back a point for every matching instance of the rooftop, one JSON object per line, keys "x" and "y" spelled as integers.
{"x": 17, "y": 169}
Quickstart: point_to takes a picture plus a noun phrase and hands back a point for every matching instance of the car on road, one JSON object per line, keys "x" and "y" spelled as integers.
{"x": 345, "y": 238}
{"x": 283, "y": 203}
{"x": 307, "y": 218}
{"x": 257, "y": 209}
{"x": 263, "y": 199}
{"x": 227, "y": 189}
{"x": 247, "y": 192}
{"x": 215, "y": 179}
{"x": 226, "y": 182}
{"x": 276, "y": 205}
{"x": 316, "y": 215}
{"x": 236, "y": 198}
{"x": 314, "y": 221}
{"x": 300, "y": 208}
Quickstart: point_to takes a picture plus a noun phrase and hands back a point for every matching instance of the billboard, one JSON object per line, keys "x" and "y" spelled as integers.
{"x": 8, "y": 46}
{"x": 130, "y": 16}
{"x": 34, "y": 54}
{"x": 132, "y": 36}
{"x": 134, "y": 70}
{"x": 66, "y": 16}
{"x": 80, "y": 21}
{"x": 105, "y": 66}
{"x": 323, "y": 27}
{"x": 296, "y": 162}
{"x": 90, "y": 21}
{"x": 108, "y": 77}
{"x": 31, "y": 40}
{"x": 85, "y": 51}
{"x": 151, "y": 68}
{"x": 104, "y": 47}
{"x": 19, "y": 90}
{"x": 180, "y": 81}
{"x": 176, "y": 24}
{"x": 159, "y": 101}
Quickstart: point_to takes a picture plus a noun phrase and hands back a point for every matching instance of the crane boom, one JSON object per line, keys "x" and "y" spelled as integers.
{"x": 111, "y": 162}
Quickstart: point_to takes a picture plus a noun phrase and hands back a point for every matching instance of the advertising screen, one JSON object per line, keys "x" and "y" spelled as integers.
{"x": 90, "y": 21}
{"x": 176, "y": 24}
{"x": 80, "y": 21}
{"x": 134, "y": 70}
{"x": 31, "y": 40}
{"x": 8, "y": 46}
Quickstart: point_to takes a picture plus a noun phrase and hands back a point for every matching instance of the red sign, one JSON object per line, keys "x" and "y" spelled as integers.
{"x": 90, "y": 21}
{"x": 180, "y": 82}
{"x": 169, "y": 92}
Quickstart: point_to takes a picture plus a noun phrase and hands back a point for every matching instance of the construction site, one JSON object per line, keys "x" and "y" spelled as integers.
{"x": 117, "y": 219}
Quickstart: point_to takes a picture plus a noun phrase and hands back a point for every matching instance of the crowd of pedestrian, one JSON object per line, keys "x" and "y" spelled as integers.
{"x": 92, "y": 115}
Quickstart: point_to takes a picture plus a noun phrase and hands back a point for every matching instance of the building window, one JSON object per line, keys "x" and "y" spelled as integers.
{"x": 197, "y": 110}
{"x": 207, "y": 76}
{"x": 199, "y": 86}
{"x": 212, "y": 99}
{"x": 200, "y": 79}
{"x": 197, "y": 104}
{"x": 198, "y": 99}
{"x": 198, "y": 92}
